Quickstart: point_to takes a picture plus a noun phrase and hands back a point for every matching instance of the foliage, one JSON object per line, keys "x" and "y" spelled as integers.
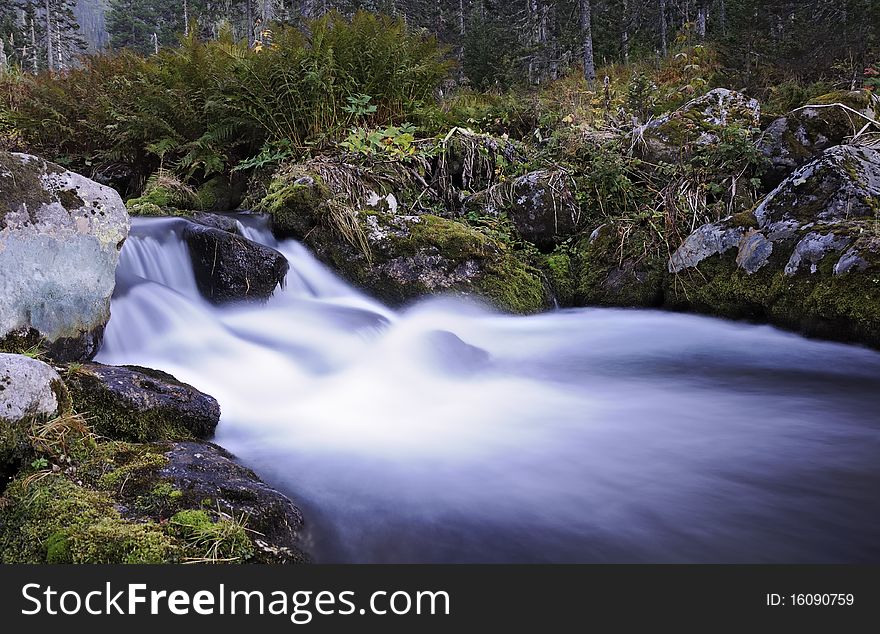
{"x": 391, "y": 142}
{"x": 207, "y": 107}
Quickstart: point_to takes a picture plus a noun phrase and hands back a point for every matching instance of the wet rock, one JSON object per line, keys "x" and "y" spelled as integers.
{"x": 60, "y": 237}
{"x": 703, "y": 243}
{"x": 217, "y": 221}
{"x": 401, "y": 258}
{"x": 754, "y": 251}
{"x": 203, "y": 471}
{"x": 229, "y": 267}
{"x": 139, "y": 404}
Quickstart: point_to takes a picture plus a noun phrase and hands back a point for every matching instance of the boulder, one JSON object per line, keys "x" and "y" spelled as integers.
{"x": 618, "y": 265}
{"x": 149, "y": 503}
{"x": 139, "y": 404}
{"x": 29, "y": 390}
{"x": 540, "y": 205}
{"x": 60, "y": 237}
{"x": 229, "y": 267}
{"x": 399, "y": 258}
{"x": 807, "y": 258}
{"x": 843, "y": 183}
{"x": 802, "y": 135}
{"x": 699, "y": 122}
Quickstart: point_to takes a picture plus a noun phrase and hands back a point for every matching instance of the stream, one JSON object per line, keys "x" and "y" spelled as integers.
{"x": 445, "y": 432}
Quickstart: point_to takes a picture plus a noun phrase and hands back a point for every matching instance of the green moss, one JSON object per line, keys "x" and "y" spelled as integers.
{"x": 745, "y": 219}
{"x": 117, "y": 465}
{"x": 70, "y": 200}
{"x": 110, "y": 416}
{"x": 22, "y": 187}
{"x": 619, "y": 267}
{"x": 513, "y": 286}
{"x": 54, "y": 520}
{"x": 819, "y": 304}
{"x": 213, "y": 540}
{"x": 560, "y": 273}
{"x": 137, "y": 207}
{"x": 294, "y": 203}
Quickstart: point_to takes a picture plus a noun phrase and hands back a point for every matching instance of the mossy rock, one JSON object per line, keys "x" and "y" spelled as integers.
{"x": 55, "y": 520}
{"x": 139, "y": 404}
{"x": 618, "y": 266}
{"x": 401, "y": 258}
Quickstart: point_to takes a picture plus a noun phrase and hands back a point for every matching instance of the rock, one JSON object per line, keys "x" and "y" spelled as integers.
{"x": 60, "y": 237}
{"x": 220, "y": 193}
{"x": 149, "y": 503}
{"x": 705, "y": 242}
{"x": 618, "y": 266}
{"x": 203, "y": 471}
{"x": 140, "y": 404}
{"x": 399, "y": 258}
{"x": 29, "y": 390}
{"x": 843, "y": 183}
{"x": 698, "y": 122}
{"x": 229, "y": 267}
{"x": 808, "y": 258}
{"x": 812, "y": 249}
{"x": 217, "y": 221}
{"x": 799, "y": 137}
{"x": 540, "y": 205}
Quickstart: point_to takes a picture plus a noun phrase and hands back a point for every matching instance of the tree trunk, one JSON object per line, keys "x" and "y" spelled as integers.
{"x": 50, "y": 45}
{"x": 249, "y": 18}
{"x": 34, "y": 46}
{"x": 702, "y": 14}
{"x": 268, "y": 12}
{"x": 722, "y": 17}
{"x": 624, "y": 34}
{"x": 663, "y": 46}
{"x": 587, "y": 37}
{"x": 185, "y": 17}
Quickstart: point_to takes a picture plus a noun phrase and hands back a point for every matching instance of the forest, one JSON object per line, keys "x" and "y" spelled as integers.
{"x": 435, "y": 262}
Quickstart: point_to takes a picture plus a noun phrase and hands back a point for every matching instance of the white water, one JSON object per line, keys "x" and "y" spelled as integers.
{"x": 448, "y": 433}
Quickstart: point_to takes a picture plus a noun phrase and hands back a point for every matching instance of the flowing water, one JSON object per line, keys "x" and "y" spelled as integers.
{"x": 448, "y": 433}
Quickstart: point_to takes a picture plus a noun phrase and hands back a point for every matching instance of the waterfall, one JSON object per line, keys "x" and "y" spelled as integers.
{"x": 446, "y": 432}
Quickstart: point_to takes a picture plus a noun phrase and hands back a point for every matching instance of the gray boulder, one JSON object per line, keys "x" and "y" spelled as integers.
{"x": 29, "y": 389}
{"x": 807, "y": 258}
{"x": 698, "y": 122}
{"x": 229, "y": 267}
{"x": 802, "y": 135}
{"x": 140, "y": 404}
{"x": 60, "y": 237}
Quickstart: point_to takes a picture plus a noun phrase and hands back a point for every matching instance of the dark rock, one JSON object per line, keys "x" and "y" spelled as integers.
{"x": 843, "y": 183}
{"x": 217, "y": 221}
{"x": 540, "y": 205}
{"x": 228, "y": 267}
{"x": 801, "y": 136}
{"x": 140, "y": 404}
{"x": 203, "y": 471}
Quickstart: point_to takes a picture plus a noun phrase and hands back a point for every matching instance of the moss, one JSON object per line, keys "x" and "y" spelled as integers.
{"x": 842, "y": 307}
{"x": 54, "y": 520}
{"x": 112, "y": 417}
{"x": 115, "y": 466}
{"x": 70, "y": 200}
{"x": 513, "y": 286}
{"x": 294, "y": 206}
{"x": 560, "y": 273}
{"x": 222, "y": 539}
{"x": 137, "y": 207}
{"x": 619, "y": 267}
{"x": 112, "y": 541}
{"x": 745, "y": 219}
{"x": 22, "y": 187}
